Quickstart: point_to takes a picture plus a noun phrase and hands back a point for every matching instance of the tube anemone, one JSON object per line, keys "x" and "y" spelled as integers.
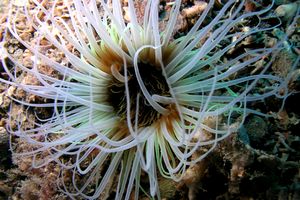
{"x": 128, "y": 97}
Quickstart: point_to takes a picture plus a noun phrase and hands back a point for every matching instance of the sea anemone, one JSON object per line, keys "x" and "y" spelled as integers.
{"x": 129, "y": 98}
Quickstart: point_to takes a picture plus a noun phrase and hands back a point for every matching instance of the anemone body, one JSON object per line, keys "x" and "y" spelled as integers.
{"x": 131, "y": 97}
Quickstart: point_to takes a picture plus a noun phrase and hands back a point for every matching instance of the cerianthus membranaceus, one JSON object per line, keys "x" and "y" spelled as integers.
{"x": 130, "y": 96}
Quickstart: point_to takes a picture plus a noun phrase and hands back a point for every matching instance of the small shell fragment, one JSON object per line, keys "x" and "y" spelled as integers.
{"x": 19, "y": 3}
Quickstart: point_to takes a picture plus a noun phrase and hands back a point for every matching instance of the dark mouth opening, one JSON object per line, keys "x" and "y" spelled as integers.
{"x": 155, "y": 83}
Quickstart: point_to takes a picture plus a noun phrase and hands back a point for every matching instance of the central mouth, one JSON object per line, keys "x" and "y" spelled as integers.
{"x": 154, "y": 82}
